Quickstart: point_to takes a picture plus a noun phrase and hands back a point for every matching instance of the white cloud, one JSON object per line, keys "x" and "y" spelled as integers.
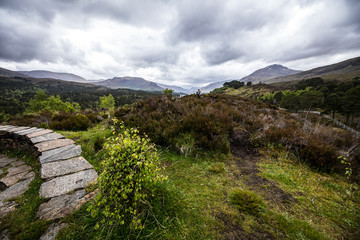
{"x": 176, "y": 42}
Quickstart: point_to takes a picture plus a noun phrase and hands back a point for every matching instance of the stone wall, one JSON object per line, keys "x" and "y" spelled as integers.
{"x": 64, "y": 171}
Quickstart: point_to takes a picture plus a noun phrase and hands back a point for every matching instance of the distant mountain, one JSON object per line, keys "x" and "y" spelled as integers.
{"x": 8, "y": 73}
{"x": 54, "y": 75}
{"x": 134, "y": 83}
{"x": 345, "y": 70}
{"x": 268, "y": 72}
{"x": 210, "y": 87}
{"x": 175, "y": 88}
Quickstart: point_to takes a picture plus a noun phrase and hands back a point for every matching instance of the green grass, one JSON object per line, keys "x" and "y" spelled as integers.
{"x": 326, "y": 201}
{"x": 206, "y": 197}
{"x": 197, "y": 201}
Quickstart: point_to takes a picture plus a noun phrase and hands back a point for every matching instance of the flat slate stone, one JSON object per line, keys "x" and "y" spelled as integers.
{"x": 6, "y": 208}
{"x": 5, "y": 235}
{"x": 16, "y": 129}
{"x": 39, "y": 133}
{"x": 45, "y": 146}
{"x": 15, "y": 190}
{"x": 52, "y": 231}
{"x": 46, "y": 137}
{"x": 65, "y": 184}
{"x": 28, "y": 131}
{"x": 17, "y": 163}
{"x": 60, "y": 168}
{"x": 60, "y": 206}
{"x": 6, "y": 161}
{"x": 15, "y": 170}
{"x": 8, "y": 127}
{"x": 11, "y": 180}
{"x": 60, "y": 154}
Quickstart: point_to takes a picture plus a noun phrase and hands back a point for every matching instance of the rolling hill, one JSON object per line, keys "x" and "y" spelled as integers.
{"x": 8, "y": 73}
{"x": 343, "y": 71}
{"x": 134, "y": 83}
{"x": 55, "y": 75}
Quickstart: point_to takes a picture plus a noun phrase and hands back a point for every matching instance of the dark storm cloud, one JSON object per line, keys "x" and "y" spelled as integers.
{"x": 215, "y": 24}
{"x": 194, "y": 40}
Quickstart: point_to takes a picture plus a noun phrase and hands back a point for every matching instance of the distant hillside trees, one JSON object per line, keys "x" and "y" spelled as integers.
{"x": 234, "y": 84}
{"x": 333, "y": 97}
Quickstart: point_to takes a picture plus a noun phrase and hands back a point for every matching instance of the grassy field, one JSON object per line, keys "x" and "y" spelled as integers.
{"x": 265, "y": 193}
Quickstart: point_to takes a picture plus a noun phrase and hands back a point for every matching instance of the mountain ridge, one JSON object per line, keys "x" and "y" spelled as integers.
{"x": 54, "y": 75}
{"x": 135, "y": 83}
{"x": 344, "y": 70}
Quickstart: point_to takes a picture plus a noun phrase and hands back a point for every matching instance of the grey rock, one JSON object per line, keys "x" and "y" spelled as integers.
{"x": 6, "y": 128}
{"x": 52, "y": 231}
{"x": 28, "y": 131}
{"x": 39, "y": 133}
{"x": 60, "y": 154}
{"x": 60, "y": 168}
{"x": 1, "y": 171}
{"x": 5, "y": 235}
{"x": 15, "y": 190}
{"x": 17, "y": 163}
{"x": 46, "y": 137}
{"x": 11, "y": 180}
{"x": 60, "y": 206}
{"x": 6, "y": 161}
{"x": 15, "y": 170}
{"x": 6, "y": 208}
{"x": 17, "y": 129}
{"x": 65, "y": 184}
{"x": 45, "y": 146}
{"x": 54, "y": 152}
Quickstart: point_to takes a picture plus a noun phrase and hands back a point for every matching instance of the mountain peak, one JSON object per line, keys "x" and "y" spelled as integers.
{"x": 271, "y": 71}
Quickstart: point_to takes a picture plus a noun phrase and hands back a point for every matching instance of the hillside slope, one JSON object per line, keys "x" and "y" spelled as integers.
{"x": 344, "y": 71}
{"x": 8, "y": 73}
{"x": 134, "y": 83}
{"x": 55, "y": 75}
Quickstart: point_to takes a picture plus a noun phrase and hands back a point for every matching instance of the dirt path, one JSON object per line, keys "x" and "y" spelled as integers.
{"x": 246, "y": 161}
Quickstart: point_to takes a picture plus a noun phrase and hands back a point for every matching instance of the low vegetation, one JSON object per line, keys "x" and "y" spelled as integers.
{"x": 223, "y": 167}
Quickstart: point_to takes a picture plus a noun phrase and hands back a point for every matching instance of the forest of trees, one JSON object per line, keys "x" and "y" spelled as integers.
{"x": 332, "y": 97}
{"x": 16, "y": 94}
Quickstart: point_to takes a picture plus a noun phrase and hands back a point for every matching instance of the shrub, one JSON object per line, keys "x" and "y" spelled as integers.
{"x": 247, "y": 201}
{"x": 319, "y": 154}
{"x": 71, "y": 122}
{"x": 130, "y": 172}
{"x": 184, "y": 124}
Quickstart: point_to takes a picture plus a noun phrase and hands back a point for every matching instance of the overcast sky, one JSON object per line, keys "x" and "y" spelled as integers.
{"x": 187, "y": 43}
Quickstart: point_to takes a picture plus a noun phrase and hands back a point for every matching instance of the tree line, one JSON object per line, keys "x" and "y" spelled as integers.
{"x": 332, "y": 97}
